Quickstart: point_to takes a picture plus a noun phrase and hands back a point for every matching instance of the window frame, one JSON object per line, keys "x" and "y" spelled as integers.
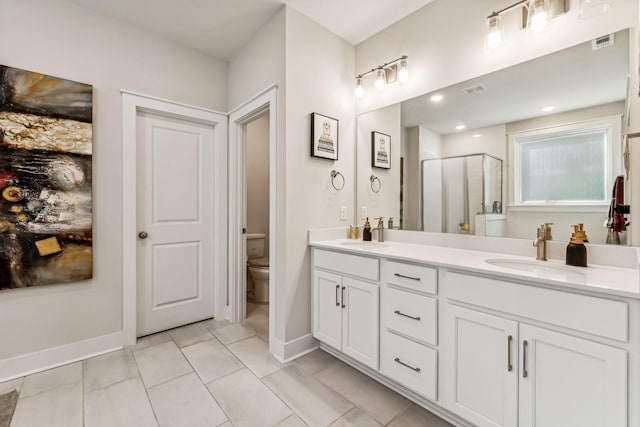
{"x": 612, "y": 125}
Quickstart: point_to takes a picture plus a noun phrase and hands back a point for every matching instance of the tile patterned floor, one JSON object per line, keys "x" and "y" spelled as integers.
{"x": 210, "y": 373}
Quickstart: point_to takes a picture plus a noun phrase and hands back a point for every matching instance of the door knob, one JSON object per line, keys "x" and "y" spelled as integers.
{"x": 143, "y": 235}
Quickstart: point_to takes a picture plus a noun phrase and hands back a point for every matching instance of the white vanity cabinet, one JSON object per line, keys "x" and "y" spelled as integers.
{"x": 508, "y": 372}
{"x": 346, "y": 308}
{"x": 409, "y": 325}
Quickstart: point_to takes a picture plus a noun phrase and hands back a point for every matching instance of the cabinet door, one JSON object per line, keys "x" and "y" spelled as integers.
{"x": 327, "y": 310}
{"x": 485, "y": 356}
{"x": 570, "y": 382}
{"x": 360, "y": 327}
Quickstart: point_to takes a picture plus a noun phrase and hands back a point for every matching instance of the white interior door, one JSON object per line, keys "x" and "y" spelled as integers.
{"x": 175, "y": 218}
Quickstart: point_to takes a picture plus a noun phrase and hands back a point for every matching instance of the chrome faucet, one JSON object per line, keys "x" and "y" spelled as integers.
{"x": 380, "y": 229}
{"x": 544, "y": 234}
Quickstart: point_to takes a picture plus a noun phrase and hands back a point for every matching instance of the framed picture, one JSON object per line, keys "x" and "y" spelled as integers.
{"x": 324, "y": 137}
{"x": 380, "y": 150}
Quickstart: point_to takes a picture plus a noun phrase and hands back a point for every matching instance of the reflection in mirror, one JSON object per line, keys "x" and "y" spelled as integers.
{"x": 463, "y": 195}
{"x": 568, "y": 106}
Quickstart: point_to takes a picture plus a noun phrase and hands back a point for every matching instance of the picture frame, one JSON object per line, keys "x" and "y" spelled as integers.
{"x": 380, "y": 150}
{"x": 324, "y": 137}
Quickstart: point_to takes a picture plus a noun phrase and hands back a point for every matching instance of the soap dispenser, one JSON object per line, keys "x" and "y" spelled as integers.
{"x": 366, "y": 231}
{"x": 576, "y": 250}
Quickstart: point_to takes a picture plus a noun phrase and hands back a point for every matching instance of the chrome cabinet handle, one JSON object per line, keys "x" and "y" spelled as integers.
{"x": 397, "y": 360}
{"x": 509, "y": 365}
{"x": 406, "y": 277}
{"x": 337, "y": 289}
{"x": 343, "y": 306}
{"x": 399, "y": 313}
{"x": 525, "y": 344}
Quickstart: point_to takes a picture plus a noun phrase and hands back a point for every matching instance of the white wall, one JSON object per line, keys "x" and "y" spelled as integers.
{"x": 61, "y": 39}
{"x": 411, "y": 180}
{"x": 319, "y": 78}
{"x": 430, "y": 144}
{"x": 386, "y": 202}
{"x": 257, "y": 166}
{"x": 445, "y": 43}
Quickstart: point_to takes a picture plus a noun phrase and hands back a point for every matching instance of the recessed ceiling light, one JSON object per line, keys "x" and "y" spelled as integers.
{"x": 437, "y": 97}
{"x": 460, "y": 127}
{"x": 477, "y": 135}
{"x": 547, "y": 108}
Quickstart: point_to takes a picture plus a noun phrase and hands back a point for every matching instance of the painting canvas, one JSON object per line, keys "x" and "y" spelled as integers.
{"x": 45, "y": 179}
{"x": 380, "y": 150}
{"x": 324, "y": 137}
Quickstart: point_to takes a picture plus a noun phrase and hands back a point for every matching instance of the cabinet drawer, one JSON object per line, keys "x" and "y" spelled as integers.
{"x": 411, "y": 314}
{"x": 366, "y": 268}
{"x": 593, "y": 315}
{"x": 411, "y": 364}
{"x": 418, "y": 277}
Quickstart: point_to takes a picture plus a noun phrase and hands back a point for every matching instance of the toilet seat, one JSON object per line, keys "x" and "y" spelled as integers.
{"x": 259, "y": 263}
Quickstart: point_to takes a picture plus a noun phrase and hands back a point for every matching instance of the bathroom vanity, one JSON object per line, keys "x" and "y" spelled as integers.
{"x": 479, "y": 337}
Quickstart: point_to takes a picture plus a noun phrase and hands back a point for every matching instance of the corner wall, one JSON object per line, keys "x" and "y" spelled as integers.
{"x": 319, "y": 78}
{"x": 65, "y": 40}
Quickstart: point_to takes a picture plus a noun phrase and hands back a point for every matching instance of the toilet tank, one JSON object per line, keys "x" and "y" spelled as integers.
{"x": 255, "y": 245}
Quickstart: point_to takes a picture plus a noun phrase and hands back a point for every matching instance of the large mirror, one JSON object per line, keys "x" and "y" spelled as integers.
{"x": 539, "y": 142}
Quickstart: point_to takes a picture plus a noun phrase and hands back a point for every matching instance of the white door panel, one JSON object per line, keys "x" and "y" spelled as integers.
{"x": 175, "y": 208}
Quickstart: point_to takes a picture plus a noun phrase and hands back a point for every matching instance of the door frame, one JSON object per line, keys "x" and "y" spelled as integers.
{"x": 132, "y": 103}
{"x": 260, "y": 104}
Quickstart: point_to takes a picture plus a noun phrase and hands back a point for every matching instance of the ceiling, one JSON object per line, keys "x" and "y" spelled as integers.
{"x": 221, "y": 27}
{"x": 574, "y": 78}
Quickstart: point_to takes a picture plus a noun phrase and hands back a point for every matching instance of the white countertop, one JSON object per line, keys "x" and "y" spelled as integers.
{"x": 594, "y": 278}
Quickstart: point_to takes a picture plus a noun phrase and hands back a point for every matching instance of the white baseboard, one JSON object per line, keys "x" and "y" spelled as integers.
{"x": 286, "y": 352}
{"x": 37, "y": 361}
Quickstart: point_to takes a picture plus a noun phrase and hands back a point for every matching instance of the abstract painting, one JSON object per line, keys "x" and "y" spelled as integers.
{"x": 45, "y": 179}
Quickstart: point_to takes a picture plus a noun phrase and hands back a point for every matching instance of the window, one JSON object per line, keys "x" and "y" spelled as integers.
{"x": 569, "y": 166}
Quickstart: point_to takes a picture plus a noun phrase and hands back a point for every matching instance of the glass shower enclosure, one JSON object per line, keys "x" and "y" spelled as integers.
{"x": 463, "y": 195}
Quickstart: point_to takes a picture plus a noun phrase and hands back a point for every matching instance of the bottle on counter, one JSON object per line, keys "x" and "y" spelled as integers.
{"x": 576, "y": 250}
{"x": 366, "y": 231}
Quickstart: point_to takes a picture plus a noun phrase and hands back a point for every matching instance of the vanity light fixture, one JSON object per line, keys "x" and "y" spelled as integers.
{"x": 389, "y": 72}
{"x": 535, "y": 16}
{"x": 381, "y": 79}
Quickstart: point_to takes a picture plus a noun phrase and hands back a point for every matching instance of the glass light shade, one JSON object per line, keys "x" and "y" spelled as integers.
{"x": 403, "y": 71}
{"x": 495, "y": 36}
{"x": 359, "y": 90}
{"x": 539, "y": 16}
{"x": 381, "y": 79}
{"x": 592, "y": 8}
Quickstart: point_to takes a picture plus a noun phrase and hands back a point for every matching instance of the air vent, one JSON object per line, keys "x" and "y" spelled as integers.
{"x": 473, "y": 89}
{"x": 603, "y": 41}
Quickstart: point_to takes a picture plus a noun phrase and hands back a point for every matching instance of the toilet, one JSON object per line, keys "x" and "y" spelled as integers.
{"x": 258, "y": 266}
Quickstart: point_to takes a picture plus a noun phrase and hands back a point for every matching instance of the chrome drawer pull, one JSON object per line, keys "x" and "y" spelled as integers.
{"x": 337, "y": 290}
{"x": 397, "y": 360}
{"x": 399, "y": 313}
{"x": 342, "y": 295}
{"x": 406, "y": 277}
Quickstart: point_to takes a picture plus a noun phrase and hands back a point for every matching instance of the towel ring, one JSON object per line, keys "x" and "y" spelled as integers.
{"x": 334, "y": 174}
{"x": 375, "y": 187}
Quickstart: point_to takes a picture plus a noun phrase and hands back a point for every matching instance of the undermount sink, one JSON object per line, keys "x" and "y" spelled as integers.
{"x": 364, "y": 244}
{"x": 540, "y": 268}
